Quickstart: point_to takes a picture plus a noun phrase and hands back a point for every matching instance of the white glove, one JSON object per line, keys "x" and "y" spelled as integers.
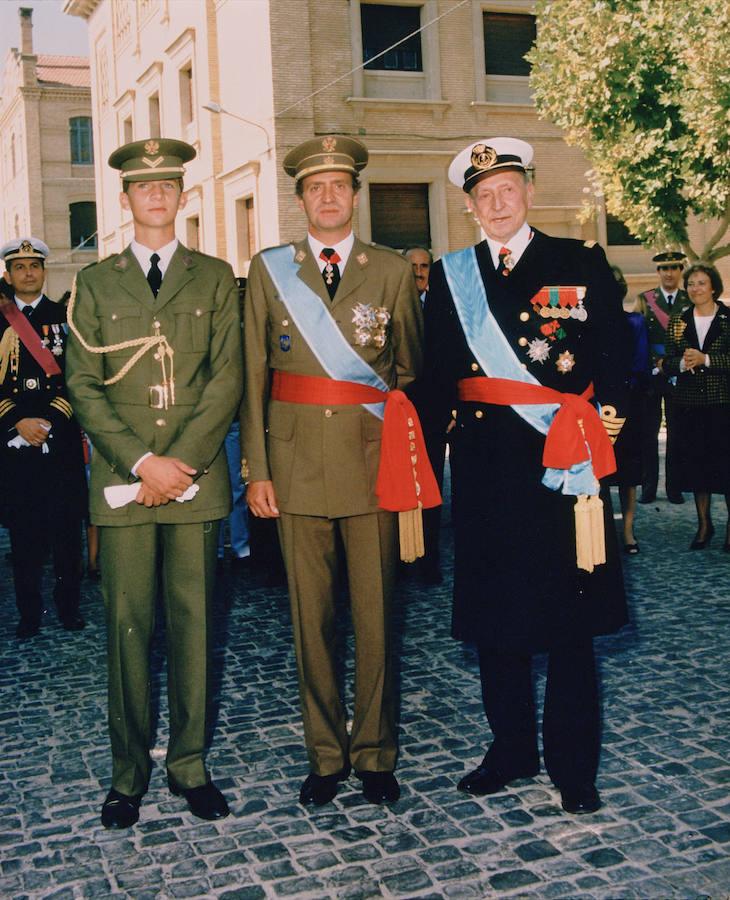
{"x": 118, "y": 495}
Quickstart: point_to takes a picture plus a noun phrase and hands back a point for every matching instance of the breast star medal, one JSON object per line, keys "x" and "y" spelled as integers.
{"x": 538, "y": 350}
{"x": 565, "y": 362}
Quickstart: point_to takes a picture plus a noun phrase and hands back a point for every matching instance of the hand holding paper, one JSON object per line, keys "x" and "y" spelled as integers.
{"x": 118, "y": 495}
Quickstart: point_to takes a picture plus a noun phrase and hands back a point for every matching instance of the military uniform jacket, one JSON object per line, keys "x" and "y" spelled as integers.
{"x": 324, "y": 461}
{"x": 657, "y": 333}
{"x": 197, "y": 310}
{"x": 30, "y": 478}
{"x": 516, "y": 582}
{"x": 703, "y": 386}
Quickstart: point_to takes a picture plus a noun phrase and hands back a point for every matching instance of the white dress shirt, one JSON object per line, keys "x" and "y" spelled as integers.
{"x": 343, "y": 250}
{"x": 143, "y": 255}
{"x": 516, "y": 245}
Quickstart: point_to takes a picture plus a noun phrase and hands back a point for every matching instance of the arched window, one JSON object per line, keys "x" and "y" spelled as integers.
{"x": 82, "y": 146}
{"x": 82, "y": 220}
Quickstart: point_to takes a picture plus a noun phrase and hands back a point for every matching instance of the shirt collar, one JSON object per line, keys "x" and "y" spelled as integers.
{"x": 143, "y": 254}
{"x": 517, "y": 244}
{"x": 672, "y": 294}
{"x": 343, "y": 249}
{"x": 21, "y": 306}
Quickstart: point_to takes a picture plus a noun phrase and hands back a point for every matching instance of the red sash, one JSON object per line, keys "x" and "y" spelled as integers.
{"x": 661, "y": 317}
{"x": 576, "y": 423}
{"x": 30, "y": 338}
{"x": 405, "y": 477}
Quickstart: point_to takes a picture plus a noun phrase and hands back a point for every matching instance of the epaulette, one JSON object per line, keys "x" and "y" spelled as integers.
{"x": 589, "y": 244}
{"x": 97, "y": 261}
{"x": 389, "y": 249}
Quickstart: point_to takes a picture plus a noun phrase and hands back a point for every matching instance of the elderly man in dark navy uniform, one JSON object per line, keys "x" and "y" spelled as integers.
{"x": 41, "y": 458}
{"x": 525, "y": 337}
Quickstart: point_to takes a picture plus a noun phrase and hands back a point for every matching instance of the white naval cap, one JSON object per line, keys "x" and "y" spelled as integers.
{"x": 484, "y": 157}
{"x": 24, "y": 248}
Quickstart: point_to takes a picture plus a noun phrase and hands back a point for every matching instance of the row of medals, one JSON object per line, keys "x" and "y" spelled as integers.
{"x": 57, "y": 348}
{"x": 563, "y": 312}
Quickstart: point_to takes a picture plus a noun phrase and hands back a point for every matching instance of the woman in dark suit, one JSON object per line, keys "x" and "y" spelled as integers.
{"x": 698, "y": 355}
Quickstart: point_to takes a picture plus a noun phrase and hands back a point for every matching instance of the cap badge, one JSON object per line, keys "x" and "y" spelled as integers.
{"x": 152, "y": 147}
{"x": 329, "y": 144}
{"x": 329, "y": 160}
{"x": 482, "y": 156}
{"x": 26, "y": 247}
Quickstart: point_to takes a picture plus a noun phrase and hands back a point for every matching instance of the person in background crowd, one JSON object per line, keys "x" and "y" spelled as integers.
{"x": 698, "y": 355}
{"x": 331, "y": 315}
{"x": 526, "y": 578}
{"x": 43, "y": 489}
{"x": 157, "y": 422}
{"x": 661, "y": 302}
{"x": 628, "y": 445}
{"x": 421, "y": 261}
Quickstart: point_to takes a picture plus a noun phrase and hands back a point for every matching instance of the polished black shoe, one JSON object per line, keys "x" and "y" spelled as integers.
{"x": 700, "y": 543}
{"x": 486, "y": 779}
{"x": 204, "y": 801}
{"x": 321, "y": 789}
{"x": 580, "y": 799}
{"x": 27, "y": 629}
{"x": 647, "y": 498}
{"x": 120, "y": 810}
{"x": 631, "y": 549}
{"x": 73, "y": 622}
{"x": 379, "y": 787}
{"x": 677, "y": 499}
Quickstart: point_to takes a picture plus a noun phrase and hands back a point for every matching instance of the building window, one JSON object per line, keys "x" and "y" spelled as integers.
{"x": 127, "y": 131}
{"x": 154, "y": 112}
{"x": 187, "y": 102}
{"x": 617, "y": 234}
{"x": 507, "y": 38}
{"x": 383, "y": 25}
{"x": 245, "y": 230}
{"x": 82, "y": 146}
{"x": 192, "y": 232}
{"x": 399, "y": 215}
{"x": 82, "y": 220}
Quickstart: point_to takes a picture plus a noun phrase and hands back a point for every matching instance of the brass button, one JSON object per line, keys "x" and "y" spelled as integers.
{"x": 453, "y": 413}
{"x": 198, "y": 312}
{"x": 479, "y": 414}
{"x": 524, "y": 317}
{"x": 160, "y": 422}
{"x": 475, "y": 367}
{"x": 114, "y": 317}
{"x": 524, "y": 365}
{"x": 285, "y": 322}
{"x": 522, "y": 342}
{"x": 328, "y": 413}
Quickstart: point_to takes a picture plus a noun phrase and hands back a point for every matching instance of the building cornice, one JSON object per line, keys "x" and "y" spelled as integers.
{"x": 83, "y": 8}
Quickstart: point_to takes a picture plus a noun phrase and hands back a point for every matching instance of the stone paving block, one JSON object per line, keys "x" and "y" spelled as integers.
{"x": 605, "y": 856}
{"x": 250, "y": 892}
{"x": 405, "y": 884}
{"x": 515, "y": 878}
{"x": 534, "y": 850}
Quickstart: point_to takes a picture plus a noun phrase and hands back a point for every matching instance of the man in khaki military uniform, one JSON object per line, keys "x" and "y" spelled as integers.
{"x": 154, "y": 372}
{"x": 327, "y": 314}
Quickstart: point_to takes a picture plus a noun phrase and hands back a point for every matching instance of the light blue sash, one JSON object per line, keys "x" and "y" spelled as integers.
{"x": 498, "y": 360}
{"x": 317, "y": 326}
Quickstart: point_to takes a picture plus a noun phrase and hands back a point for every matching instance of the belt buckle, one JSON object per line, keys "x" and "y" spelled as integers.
{"x": 31, "y": 384}
{"x": 157, "y": 396}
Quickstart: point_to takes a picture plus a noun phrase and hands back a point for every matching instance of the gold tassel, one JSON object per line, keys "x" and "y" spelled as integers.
{"x": 583, "y": 536}
{"x": 598, "y": 534}
{"x": 410, "y": 528}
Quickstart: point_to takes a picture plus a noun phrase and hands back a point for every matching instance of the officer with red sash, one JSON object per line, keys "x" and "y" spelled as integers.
{"x": 44, "y": 493}
{"x": 525, "y": 337}
{"x": 339, "y": 322}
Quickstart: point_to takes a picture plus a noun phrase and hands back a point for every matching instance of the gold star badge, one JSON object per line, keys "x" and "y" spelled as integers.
{"x": 565, "y": 362}
{"x": 362, "y": 258}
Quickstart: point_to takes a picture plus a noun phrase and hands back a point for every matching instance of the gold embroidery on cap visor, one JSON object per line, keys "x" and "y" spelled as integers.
{"x": 483, "y": 157}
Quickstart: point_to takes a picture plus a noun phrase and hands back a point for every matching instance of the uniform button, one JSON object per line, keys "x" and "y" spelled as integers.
{"x": 479, "y": 414}
{"x": 285, "y": 322}
{"x": 160, "y": 422}
{"x": 524, "y": 317}
{"x": 328, "y": 413}
{"x": 522, "y": 342}
{"x": 114, "y": 317}
{"x": 198, "y": 312}
{"x": 156, "y": 323}
{"x": 475, "y": 367}
{"x": 524, "y": 365}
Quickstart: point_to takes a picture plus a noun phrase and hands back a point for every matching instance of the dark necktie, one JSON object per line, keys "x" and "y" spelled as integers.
{"x": 505, "y": 262}
{"x": 28, "y": 311}
{"x": 154, "y": 275}
{"x": 670, "y": 300}
{"x": 331, "y": 271}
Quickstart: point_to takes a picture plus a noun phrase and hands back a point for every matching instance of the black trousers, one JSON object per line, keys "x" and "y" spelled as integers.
{"x": 651, "y": 423}
{"x": 571, "y": 716}
{"x": 32, "y": 534}
{"x": 436, "y": 449}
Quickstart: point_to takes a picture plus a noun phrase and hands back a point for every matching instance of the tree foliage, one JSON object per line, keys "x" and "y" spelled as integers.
{"x": 643, "y": 88}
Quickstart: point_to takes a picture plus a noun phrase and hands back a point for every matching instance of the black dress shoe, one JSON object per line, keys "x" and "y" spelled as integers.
{"x": 73, "y": 622}
{"x": 631, "y": 549}
{"x": 580, "y": 799}
{"x": 486, "y": 779}
{"x": 321, "y": 789}
{"x": 647, "y": 498}
{"x": 379, "y": 787}
{"x": 120, "y": 810}
{"x": 700, "y": 544}
{"x": 675, "y": 498}
{"x": 27, "y": 629}
{"x": 204, "y": 801}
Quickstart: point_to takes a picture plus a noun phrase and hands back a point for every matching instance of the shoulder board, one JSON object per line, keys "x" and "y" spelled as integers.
{"x": 589, "y": 244}
{"x": 112, "y": 256}
{"x": 387, "y": 249}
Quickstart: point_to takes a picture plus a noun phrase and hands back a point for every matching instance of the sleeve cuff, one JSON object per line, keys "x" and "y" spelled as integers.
{"x": 142, "y": 458}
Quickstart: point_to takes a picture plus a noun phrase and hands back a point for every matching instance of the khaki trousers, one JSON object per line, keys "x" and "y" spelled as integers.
{"x": 309, "y": 545}
{"x": 133, "y": 559}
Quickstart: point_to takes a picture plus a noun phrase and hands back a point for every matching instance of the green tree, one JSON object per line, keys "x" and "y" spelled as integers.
{"x": 643, "y": 88}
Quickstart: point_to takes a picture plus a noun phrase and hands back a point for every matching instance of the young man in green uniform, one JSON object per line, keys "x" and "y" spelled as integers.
{"x": 154, "y": 370}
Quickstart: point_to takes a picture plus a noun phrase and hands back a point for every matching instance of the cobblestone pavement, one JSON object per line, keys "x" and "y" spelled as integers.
{"x": 664, "y": 830}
